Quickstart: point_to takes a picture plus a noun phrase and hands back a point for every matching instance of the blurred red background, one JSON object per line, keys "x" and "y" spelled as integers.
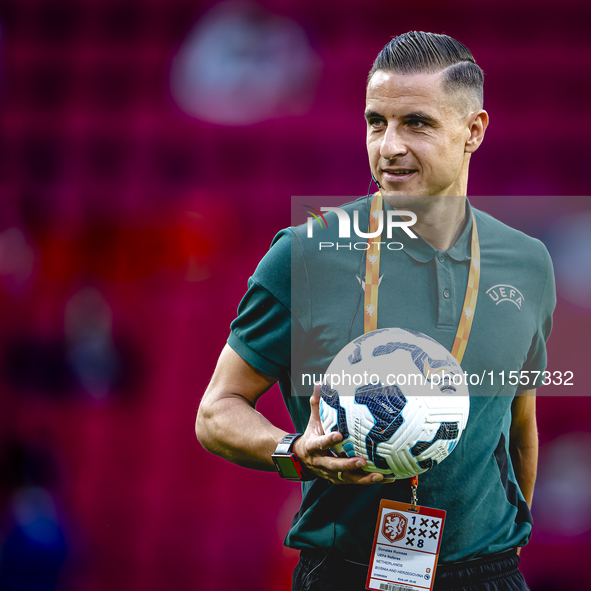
{"x": 148, "y": 153}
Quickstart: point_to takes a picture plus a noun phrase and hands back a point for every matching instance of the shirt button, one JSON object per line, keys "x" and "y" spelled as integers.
{"x": 446, "y": 293}
{"x": 441, "y": 258}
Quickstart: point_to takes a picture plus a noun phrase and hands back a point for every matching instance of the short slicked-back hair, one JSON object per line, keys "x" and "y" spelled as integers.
{"x": 419, "y": 52}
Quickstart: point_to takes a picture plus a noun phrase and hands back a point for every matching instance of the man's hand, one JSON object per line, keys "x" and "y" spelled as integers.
{"x": 523, "y": 442}
{"x": 313, "y": 451}
{"x": 228, "y": 425}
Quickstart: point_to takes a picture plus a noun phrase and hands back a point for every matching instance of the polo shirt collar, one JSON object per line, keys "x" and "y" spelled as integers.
{"x": 421, "y": 251}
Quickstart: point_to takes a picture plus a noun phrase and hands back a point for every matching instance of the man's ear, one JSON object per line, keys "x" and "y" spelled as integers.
{"x": 478, "y": 123}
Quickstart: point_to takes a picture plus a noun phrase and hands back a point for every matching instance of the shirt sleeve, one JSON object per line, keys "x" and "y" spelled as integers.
{"x": 261, "y": 333}
{"x": 537, "y": 357}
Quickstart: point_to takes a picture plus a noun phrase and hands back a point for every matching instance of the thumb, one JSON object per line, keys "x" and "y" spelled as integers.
{"x": 317, "y": 392}
{"x": 315, "y": 411}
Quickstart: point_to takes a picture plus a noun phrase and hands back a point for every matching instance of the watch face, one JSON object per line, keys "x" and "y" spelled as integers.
{"x": 285, "y": 467}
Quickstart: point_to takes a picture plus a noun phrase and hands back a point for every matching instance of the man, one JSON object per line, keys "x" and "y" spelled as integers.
{"x": 424, "y": 121}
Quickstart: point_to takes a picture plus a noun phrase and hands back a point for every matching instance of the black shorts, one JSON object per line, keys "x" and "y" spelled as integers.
{"x": 497, "y": 572}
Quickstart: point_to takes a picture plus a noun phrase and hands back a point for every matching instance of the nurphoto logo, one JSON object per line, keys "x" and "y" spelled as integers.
{"x": 392, "y": 221}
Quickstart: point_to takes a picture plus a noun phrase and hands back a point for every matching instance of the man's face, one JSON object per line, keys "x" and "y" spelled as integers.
{"x": 416, "y": 137}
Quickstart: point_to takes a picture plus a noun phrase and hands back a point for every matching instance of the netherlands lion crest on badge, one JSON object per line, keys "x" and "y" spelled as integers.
{"x": 394, "y": 526}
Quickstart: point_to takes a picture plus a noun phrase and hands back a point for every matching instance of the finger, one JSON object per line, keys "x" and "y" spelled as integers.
{"x": 357, "y": 477}
{"x": 320, "y": 444}
{"x": 333, "y": 465}
{"x": 327, "y": 441}
{"x": 315, "y": 406}
{"x": 314, "y": 443}
{"x": 319, "y": 440}
{"x": 362, "y": 477}
{"x": 314, "y": 423}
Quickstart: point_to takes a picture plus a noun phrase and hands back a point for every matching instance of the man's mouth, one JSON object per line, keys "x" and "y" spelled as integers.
{"x": 399, "y": 174}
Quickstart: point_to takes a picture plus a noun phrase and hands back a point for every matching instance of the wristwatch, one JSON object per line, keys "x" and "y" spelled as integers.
{"x": 287, "y": 463}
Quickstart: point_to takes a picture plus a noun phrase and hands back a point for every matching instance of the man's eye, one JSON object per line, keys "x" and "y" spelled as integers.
{"x": 375, "y": 122}
{"x": 417, "y": 123}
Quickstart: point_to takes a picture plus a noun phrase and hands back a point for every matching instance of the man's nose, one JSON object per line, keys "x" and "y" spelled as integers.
{"x": 393, "y": 144}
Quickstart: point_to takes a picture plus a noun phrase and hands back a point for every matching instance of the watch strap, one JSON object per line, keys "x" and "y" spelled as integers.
{"x": 285, "y": 445}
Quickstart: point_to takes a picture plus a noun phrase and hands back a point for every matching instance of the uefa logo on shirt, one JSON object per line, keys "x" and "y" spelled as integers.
{"x": 505, "y": 293}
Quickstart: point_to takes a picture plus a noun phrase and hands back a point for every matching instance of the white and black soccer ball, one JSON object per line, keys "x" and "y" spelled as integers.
{"x": 399, "y": 398}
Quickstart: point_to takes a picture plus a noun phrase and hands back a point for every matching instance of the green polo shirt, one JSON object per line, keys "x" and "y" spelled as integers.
{"x": 304, "y": 303}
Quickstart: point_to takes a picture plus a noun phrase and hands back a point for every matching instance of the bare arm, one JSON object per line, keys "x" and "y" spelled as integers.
{"x": 228, "y": 425}
{"x": 523, "y": 443}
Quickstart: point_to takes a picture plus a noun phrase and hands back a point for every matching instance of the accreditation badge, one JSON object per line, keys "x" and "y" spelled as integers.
{"x": 405, "y": 547}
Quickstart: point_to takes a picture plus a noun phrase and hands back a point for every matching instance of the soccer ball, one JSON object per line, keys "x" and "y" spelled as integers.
{"x": 399, "y": 398}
